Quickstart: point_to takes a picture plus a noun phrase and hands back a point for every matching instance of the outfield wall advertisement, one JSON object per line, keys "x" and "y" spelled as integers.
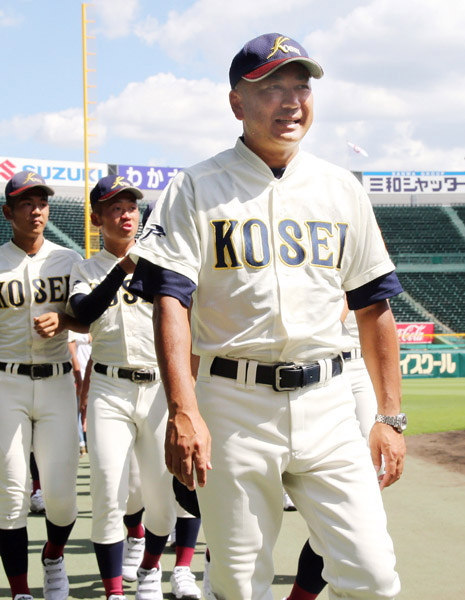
{"x": 415, "y": 333}
{"x": 432, "y": 364}
{"x": 414, "y": 182}
{"x": 55, "y": 172}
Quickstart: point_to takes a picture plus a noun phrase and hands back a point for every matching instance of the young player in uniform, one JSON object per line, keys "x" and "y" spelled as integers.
{"x": 185, "y": 532}
{"x": 266, "y": 238}
{"x": 127, "y": 406}
{"x": 38, "y": 398}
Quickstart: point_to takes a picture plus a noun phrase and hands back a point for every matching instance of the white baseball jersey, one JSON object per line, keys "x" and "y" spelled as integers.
{"x": 29, "y": 287}
{"x": 122, "y": 336}
{"x": 285, "y": 246}
{"x": 43, "y": 410}
{"x": 350, "y": 323}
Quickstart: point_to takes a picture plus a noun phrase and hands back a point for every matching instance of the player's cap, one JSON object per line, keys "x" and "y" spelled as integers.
{"x": 25, "y": 180}
{"x": 110, "y": 186}
{"x": 264, "y": 54}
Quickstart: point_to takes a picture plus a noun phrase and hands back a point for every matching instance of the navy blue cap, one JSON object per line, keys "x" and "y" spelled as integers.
{"x": 264, "y": 54}
{"x": 110, "y": 186}
{"x": 25, "y": 180}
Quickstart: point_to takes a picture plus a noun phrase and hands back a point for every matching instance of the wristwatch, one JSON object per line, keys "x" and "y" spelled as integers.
{"x": 399, "y": 422}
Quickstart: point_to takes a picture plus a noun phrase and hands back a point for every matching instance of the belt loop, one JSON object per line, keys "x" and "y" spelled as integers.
{"x": 251, "y": 374}
{"x": 241, "y": 372}
{"x": 326, "y": 370}
{"x": 205, "y": 365}
{"x": 58, "y": 369}
{"x": 112, "y": 372}
{"x": 12, "y": 368}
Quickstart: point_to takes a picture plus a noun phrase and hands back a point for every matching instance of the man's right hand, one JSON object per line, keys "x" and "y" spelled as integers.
{"x": 188, "y": 448}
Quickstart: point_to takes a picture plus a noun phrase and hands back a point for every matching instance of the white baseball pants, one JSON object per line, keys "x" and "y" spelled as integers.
{"x": 309, "y": 440}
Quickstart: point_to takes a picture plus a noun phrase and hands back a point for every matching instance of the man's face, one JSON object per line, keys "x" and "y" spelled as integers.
{"x": 118, "y": 217}
{"x": 276, "y": 112}
{"x": 28, "y": 214}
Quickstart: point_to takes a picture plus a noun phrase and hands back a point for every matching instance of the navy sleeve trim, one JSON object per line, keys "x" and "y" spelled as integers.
{"x": 374, "y": 291}
{"x": 149, "y": 280}
{"x": 89, "y": 307}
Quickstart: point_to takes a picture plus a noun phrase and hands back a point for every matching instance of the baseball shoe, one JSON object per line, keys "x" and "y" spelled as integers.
{"x": 288, "y": 504}
{"x": 133, "y": 552}
{"x": 116, "y": 597}
{"x": 183, "y": 583}
{"x": 37, "y": 502}
{"x": 56, "y": 584}
{"x": 23, "y": 597}
{"x": 149, "y": 584}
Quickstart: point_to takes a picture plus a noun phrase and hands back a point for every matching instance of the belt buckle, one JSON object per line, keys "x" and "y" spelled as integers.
{"x": 138, "y": 376}
{"x": 33, "y": 374}
{"x": 277, "y": 377}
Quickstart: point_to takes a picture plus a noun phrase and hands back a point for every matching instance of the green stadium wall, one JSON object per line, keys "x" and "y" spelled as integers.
{"x": 424, "y": 364}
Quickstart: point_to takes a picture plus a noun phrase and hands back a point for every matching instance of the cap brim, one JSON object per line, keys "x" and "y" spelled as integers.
{"x": 133, "y": 190}
{"x": 315, "y": 70}
{"x": 48, "y": 190}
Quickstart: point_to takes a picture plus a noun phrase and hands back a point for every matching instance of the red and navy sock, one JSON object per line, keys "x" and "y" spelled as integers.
{"x": 57, "y": 537}
{"x": 134, "y": 524}
{"x": 154, "y": 546}
{"x": 187, "y": 530}
{"x": 110, "y": 564}
{"x": 309, "y": 581}
{"x": 14, "y": 553}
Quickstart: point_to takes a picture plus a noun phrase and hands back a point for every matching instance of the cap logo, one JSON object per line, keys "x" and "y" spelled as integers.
{"x": 120, "y": 182}
{"x": 279, "y": 45}
{"x": 31, "y": 176}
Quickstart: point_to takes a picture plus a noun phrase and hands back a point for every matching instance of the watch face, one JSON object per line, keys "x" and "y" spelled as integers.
{"x": 403, "y": 421}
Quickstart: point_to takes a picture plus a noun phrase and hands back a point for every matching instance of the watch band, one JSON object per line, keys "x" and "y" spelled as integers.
{"x": 399, "y": 422}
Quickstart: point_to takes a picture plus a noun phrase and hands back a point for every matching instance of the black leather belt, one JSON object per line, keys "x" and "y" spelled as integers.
{"x": 281, "y": 376}
{"x": 40, "y": 371}
{"x": 135, "y": 375}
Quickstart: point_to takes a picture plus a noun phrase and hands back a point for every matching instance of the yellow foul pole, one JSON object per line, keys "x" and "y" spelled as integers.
{"x": 92, "y": 234}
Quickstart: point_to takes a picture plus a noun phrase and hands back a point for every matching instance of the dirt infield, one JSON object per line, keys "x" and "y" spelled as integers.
{"x": 446, "y": 449}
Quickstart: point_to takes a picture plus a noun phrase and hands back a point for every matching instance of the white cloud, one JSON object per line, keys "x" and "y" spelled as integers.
{"x": 394, "y": 43}
{"x": 62, "y": 129}
{"x": 8, "y": 19}
{"x": 114, "y": 18}
{"x": 189, "y": 118}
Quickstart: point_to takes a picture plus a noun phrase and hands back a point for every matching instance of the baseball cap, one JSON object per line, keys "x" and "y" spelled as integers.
{"x": 264, "y": 54}
{"x": 110, "y": 186}
{"x": 24, "y": 180}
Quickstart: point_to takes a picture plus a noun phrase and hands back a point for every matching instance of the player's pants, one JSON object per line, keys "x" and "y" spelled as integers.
{"x": 364, "y": 394}
{"x": 38, "y": 414}
{"x": 310, "y": 440}
{"x": 123, "y": 416}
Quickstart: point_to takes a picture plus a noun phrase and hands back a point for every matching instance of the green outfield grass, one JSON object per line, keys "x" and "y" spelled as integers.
{"x": 434, "y": 405}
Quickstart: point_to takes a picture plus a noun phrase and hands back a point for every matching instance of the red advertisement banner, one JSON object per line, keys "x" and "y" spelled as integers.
{"x": 415, "y": 333}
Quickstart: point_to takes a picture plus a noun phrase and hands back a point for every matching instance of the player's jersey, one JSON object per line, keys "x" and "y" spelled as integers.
{"x": 350, "y": 323}
{"x": 29, "y": 287}
{"x": 123, "y": 335}
{"x": 269, "y": 255}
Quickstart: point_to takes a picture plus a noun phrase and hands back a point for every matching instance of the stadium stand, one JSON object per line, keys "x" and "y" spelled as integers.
{"x": 418, "y": 230}
{"x": 441, "y": 294}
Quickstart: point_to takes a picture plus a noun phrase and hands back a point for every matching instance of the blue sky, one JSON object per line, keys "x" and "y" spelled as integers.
{"x": 394, "y": 79}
